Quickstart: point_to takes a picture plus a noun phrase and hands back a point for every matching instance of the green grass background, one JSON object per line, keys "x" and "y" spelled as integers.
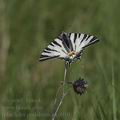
{"x": 28, "y": 88}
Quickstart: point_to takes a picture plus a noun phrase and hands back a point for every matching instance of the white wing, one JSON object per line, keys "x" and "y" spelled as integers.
{"x": 80, "y": 41}
{"x": 54, "y": 50}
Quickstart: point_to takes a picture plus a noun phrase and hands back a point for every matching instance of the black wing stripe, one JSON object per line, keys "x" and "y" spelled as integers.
{"x": 67, "y": 42}
{"x": 93, "y": 39}
{"x": 93, "y": 42}
{"x": 45, "y": 57}
{"x": 65, "y": 39}
{"x": 79, "y": 35}
{"x": 65, "y": 46}
{"x": 48, "y": 49}
{"x": 69, "y": 35}
{"x": 56, "y": 43}
{"x": 75, "y": 36}
{"x": 85, "y": 35}
{"x": 88, "y": 37}
{"x": 71, "y": 46}
{"x": 70, "y": 42}
{"x": 45, "y": 51}
{"x": 51, "y": 44}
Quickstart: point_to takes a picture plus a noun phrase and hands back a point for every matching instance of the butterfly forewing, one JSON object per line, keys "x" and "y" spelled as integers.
{"x": 54, "y": 50}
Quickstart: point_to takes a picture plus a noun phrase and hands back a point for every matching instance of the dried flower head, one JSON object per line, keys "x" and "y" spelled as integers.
{"x": 80, "y": 86}
{"x": 68, "y": 46}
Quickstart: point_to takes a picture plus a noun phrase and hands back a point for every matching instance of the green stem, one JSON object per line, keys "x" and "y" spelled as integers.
{"x": 54, "y": 113}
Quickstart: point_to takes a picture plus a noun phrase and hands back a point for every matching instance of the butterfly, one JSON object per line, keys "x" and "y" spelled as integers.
{"x": 68, "y": 46}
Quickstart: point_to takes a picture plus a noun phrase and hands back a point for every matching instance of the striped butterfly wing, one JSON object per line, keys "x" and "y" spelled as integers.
{"x": 54, "y": 50}
{"x": 80, "y": 41}
{"x": 66, "y": 43}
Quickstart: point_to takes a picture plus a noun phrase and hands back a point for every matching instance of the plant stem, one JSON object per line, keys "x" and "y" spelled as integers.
{"x": 54, "y": 113}
{"x": 65, "y": 74}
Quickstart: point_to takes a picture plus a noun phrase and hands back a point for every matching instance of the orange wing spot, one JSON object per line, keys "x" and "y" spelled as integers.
{"x": 71, "y": 53}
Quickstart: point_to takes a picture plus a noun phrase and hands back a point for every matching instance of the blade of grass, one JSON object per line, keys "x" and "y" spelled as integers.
{"x": 113, "y": 94}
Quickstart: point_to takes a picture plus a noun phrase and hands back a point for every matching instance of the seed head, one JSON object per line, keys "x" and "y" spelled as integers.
{"x": 80, "y": 86}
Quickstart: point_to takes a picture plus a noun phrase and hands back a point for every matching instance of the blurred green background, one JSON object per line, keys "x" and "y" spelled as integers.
{"x": 28, "y": 88}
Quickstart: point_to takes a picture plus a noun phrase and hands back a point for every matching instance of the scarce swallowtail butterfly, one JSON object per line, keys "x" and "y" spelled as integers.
{"x": 68, "y": 46}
